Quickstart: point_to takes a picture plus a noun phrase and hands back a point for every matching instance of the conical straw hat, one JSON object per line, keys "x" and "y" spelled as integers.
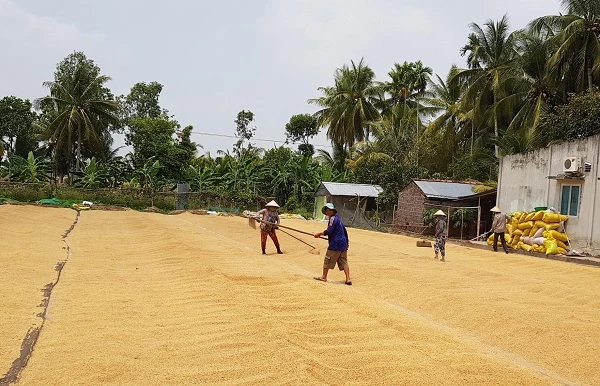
{"x": 495, "y": 209}
{"x": 439, "y": 213}
{"x": 273, "y": 204}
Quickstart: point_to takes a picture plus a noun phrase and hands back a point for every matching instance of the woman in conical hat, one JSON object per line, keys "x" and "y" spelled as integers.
{"x": 440, "y": 234}
{"x": 269, "y": 221}
{"x": 499, "y": 228}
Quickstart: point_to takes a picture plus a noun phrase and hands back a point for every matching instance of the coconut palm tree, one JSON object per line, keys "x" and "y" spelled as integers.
{"x": 491, "y": 57}
{"x": 407, "y": 82}
{"x": 349, "y": 106}
{"x": 453, "y": 124}
{"x": 533, "y": 92}
{"x": 82, "y": 112}
{"x": 575, "y": 39}
{"x": 335, "y": 160}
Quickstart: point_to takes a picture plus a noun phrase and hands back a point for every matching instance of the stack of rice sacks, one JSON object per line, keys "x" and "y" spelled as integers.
{"x": 541, "y": 232}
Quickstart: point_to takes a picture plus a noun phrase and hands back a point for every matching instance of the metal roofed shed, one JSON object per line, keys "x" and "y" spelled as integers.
{"x": 356, "y": 203}
{"x": 421, "y": 197}
{"x": 342, "y": 189}
{"x": 447, "y": 190}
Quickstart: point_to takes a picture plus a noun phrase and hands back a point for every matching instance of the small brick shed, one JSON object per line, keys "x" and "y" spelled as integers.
{"x": 422, "y": 195}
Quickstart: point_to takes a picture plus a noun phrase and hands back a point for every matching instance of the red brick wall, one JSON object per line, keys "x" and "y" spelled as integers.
{"x": 410, "y": 206}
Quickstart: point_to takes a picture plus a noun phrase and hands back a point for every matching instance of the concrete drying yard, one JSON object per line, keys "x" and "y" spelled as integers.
{"x": 151, "y": 299}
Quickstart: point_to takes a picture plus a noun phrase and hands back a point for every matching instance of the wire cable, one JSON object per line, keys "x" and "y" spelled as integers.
{"x": 252, "y": 139}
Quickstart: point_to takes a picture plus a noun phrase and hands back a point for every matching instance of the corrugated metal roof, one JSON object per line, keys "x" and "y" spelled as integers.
{"x": 450, "y": 190}
{"x": 342, "y": 189}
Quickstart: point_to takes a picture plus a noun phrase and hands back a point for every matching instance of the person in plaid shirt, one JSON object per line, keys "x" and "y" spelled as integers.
{"x": 269, "y": 215}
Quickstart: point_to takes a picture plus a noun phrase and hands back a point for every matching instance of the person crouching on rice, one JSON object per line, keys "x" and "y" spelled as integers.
{"x": 440, "y": 234}
{"x": 269, "y": 220}
{"x": 337, "y": 252}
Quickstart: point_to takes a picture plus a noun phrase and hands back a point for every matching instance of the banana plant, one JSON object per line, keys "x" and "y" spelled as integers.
{"x": 93, "y": 175}
{"x": 32, "y": 169}
{"x": 147, "y": 175}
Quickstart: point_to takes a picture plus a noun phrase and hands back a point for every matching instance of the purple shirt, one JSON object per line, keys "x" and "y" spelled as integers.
{"x": 337, "y": 234}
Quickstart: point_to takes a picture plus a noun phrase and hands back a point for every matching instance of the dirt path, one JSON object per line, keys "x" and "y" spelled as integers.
{"x": 154, "y": 299}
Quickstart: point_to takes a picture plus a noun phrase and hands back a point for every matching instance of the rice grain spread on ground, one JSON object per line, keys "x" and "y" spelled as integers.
{"x": 152, "y": 299}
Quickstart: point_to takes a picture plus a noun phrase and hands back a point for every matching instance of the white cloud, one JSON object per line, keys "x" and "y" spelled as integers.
{"x": 315, "y": 35}
{"x": 32, "y": 45}
{"x": 49, "y": 33}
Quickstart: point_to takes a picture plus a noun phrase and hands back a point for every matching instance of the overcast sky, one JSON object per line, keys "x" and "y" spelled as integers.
{"x": 216, "y": 58}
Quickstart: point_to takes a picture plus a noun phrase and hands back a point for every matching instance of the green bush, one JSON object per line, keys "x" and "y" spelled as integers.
{"x": 25, "y": 192}
{"x": 133, "y": 198}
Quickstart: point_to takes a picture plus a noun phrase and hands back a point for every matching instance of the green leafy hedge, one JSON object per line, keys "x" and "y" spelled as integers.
{"x": 131, "y": 197}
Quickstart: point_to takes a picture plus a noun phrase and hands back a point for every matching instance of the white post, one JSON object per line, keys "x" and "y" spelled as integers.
{"x": 479, "y": 218}
{"x": 448, "y": 223}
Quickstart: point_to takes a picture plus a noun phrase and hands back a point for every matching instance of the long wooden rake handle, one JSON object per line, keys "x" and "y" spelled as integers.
{"x": 292, "y": 229}
{"x": 297, "y": 238}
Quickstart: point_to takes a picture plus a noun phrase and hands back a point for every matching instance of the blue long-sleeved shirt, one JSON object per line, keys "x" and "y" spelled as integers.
{"x": 337, "y": 234}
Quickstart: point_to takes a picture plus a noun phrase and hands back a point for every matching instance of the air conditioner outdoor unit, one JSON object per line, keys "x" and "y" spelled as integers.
{"x": 571, "y": 164}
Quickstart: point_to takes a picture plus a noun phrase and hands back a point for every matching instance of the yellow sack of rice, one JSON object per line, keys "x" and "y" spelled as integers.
{"x": 562, "y": 251}
{"x": 507, "y": 238}
{"x": 509, "y": 229}
{"x": 542, "y": 249}
{"x": 552, "y": 226}
{"x": 526, "y": 247}
{"x": 534, "y": 230}
{"x": 516, "y": 238}
{"x": 551, "y": 247}
{"x": 522, "y": 217}
{"x": 562, "y": 245}
{"x": 517, "y": 232}
{"x": 550, "y": 217}
{"x": 538, "y": 215}
{"x": 538, "y": 233}
{"x": 525, "y": 225}
{"x": 559, "y": 236}
{"x": 526, "y": 232}
{"x": 516, "y": 215}
{"x": 529, "y": 216}
{"x": 490, "y": 240}
{"x": 535, "y": 248}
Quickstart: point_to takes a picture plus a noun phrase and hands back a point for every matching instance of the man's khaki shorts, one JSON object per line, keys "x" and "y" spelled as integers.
{"x": 333, "y": 257}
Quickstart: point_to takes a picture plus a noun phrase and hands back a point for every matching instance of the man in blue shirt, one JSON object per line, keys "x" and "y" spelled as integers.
{"x": 337, "y": 253}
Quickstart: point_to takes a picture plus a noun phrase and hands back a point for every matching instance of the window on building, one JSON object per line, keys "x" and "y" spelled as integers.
{"x": 569, "y": 203}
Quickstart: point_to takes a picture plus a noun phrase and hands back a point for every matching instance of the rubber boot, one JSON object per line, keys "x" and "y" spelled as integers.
{"x": 279, "y": 251}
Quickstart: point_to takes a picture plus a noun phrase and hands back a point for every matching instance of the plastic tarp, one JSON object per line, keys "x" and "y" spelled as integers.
{"x": 51, "y": 201}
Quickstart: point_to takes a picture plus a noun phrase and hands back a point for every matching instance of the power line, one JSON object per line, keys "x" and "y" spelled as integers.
{"x": 253, "y": 139}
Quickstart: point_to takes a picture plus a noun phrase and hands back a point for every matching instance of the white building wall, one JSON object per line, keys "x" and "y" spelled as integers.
{"x": 524, "y": 184}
